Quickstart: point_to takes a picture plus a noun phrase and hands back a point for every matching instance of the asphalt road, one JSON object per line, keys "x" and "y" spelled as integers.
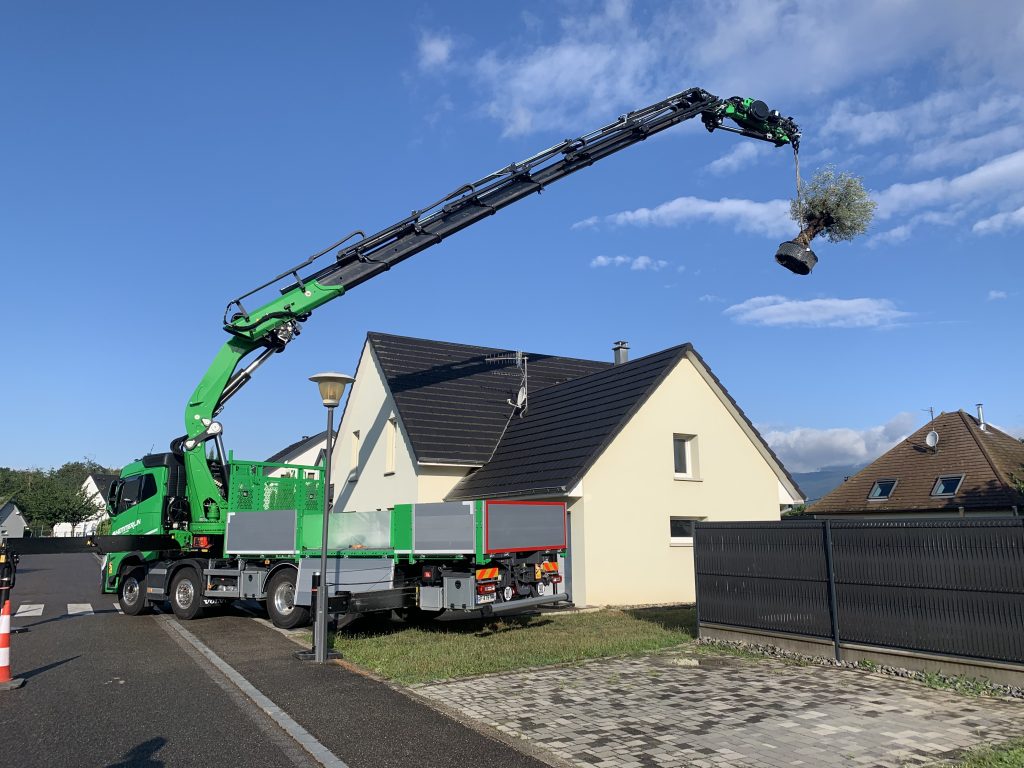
{"x": 105, "y": 689}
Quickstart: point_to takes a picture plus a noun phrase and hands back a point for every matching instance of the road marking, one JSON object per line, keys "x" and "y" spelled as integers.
{"x": 319, "y": 752}
{"x": 29, "y": 609}
{"x": 117, "y": 607}
{"x": 80, "y": 609}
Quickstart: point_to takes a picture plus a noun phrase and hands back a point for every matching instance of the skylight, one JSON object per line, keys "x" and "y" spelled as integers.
{"x": 947, "y": 485}
{"x": 882, "y": 489}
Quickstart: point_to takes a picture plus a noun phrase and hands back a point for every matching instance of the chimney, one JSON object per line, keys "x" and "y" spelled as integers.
{"x": 621, "y": 351}
{"x": 981, "y": 417}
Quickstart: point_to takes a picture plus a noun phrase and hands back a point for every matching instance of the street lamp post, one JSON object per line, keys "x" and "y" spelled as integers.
{"x": 332, "y": 387}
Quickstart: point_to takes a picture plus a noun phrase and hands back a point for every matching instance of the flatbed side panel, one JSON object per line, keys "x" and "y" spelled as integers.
{"x": 267, "y": 532}
{"x": 524, "y": 526}
{"x": 443, "y": 528}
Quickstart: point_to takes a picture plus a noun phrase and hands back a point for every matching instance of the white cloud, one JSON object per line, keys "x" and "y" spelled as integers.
{"x": 988, "y": 180}
{"x": 710, "y": 297}
{"x": 816, "y": 313}
{"x": 435, "y": 51}
{"x": 807, "y": 450}
{"x": 605, "y": 58}
{"x": 769, "y": 218}
{"x": 996, "y": 295}
{"x": 587, "y": 223}
{"x": 738, "y": 157}
{"x": 639, "y": 263}
{"x": 1000, "y": 222}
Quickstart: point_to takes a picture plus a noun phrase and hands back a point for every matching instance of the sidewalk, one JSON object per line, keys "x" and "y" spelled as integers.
{"x": 364, "y": 722}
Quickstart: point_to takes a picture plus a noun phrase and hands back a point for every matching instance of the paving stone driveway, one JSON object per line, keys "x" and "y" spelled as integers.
{"x": 653, "y": 711}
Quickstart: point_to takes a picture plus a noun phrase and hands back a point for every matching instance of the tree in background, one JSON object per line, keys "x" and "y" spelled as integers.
{"x": 49, "y": 497}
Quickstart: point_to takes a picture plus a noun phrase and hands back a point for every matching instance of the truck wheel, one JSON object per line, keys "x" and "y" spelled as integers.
{"x": 281, "y": 607}
{"x": 131, "y": 595}
{"x": 187, "y": 594}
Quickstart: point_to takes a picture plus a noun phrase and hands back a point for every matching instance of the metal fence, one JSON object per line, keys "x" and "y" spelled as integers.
{"x": 953, "y": 587}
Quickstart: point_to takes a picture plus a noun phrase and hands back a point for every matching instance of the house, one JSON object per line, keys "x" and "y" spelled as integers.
{"x": 96, "y": 488}
{"x": 12, "y": 522}
{"x": 638, "y": 450}
{"x": 955, "y": 466}
{"x": 307, "y": 451}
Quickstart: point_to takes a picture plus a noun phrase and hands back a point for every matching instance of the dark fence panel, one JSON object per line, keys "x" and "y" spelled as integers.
{"x": 763, "y": 576}
{"x": 939, "y": 586}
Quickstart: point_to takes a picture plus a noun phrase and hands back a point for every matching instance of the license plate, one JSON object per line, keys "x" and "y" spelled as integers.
{"x": 545, "y": 589}
{"x": 485, "y": 598}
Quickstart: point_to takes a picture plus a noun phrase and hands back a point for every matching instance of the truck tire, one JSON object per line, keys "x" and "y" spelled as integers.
{"x": 281, "y": 607}
{"x": 131, "y": 594}
{"x": 187, "y": 594}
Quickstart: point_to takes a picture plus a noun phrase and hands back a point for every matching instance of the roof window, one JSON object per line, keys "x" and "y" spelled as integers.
{"x": 947, "y": 485}
{"x": 881, "y": 490}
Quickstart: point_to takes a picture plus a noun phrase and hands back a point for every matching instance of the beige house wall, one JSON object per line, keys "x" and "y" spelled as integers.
{"x": 622, "y": 542}
{"x": 436, "y": 481}
{"x": 361, "y": 476}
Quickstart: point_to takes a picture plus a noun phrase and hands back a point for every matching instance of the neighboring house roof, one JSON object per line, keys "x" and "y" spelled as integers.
{"x": 298, "y": 446}
{"x": 568, "y": 426}
{"x": 10, "y": 510}
{"x": 988, "y": 459}
{"x": 103, "y": 482}
{"x": 452, "y": 399}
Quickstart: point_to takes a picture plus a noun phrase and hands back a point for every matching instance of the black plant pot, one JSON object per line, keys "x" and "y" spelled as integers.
{"x": 796, "y": 258}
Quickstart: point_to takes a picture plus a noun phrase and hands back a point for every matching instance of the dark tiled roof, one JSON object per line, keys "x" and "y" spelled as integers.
{"x": 297, "y": 446}
{"x": 987, "y": 459}
{"x": 103, "y": 483}
{"x": 565, "y": 429}
{"x": 452, "y": 398}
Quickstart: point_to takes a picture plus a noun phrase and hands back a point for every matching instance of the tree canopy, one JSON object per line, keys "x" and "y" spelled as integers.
{"x": 51, "y": 496}
{"x": 834, "y": 204}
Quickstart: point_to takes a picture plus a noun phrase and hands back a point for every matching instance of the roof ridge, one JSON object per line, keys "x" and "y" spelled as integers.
{"x": 972, "y": 429}
{"x": 370, "y": 334}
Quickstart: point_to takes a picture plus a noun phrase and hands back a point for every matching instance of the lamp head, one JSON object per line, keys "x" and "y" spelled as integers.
{"x": 332, "y": 386}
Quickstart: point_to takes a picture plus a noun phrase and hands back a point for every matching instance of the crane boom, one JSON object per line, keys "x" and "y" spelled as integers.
{"x": 274, "y": 324}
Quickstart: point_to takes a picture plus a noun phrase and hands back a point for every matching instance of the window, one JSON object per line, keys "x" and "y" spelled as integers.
{"x": 681, "y": 530}
{"x": 947, "y": 485}
{"x": 129, "y": 493}
{"x": 391, "y": 438}
{"x": 882, "y": 490}
{"x": 354, "y": 473}
{"x": 684, "y": 457}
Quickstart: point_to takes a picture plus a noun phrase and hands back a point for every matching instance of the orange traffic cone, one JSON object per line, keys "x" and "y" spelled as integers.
{"x": 6, "y": 683}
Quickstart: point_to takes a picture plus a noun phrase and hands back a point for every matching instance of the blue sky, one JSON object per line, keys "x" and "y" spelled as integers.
{"x": 160, "y": 159}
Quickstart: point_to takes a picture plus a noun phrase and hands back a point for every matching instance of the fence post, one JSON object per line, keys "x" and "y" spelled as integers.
{"x": 833, "y": 605}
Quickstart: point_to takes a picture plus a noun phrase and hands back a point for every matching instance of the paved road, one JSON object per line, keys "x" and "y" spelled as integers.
{"x": 111, "y": 690}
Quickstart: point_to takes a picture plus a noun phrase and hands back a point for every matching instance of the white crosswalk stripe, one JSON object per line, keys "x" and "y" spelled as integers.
{"x": 26, "y": 610}
{"x": 80, "y": 609}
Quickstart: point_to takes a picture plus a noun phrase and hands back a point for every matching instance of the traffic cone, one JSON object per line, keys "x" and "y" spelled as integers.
{"x": 6, "y": 683}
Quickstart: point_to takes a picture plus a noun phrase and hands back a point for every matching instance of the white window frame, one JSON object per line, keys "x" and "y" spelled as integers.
{"x": 353, "y": 474}
{"x": 682, "y": 541}
{"x": 956, "y": 490}
{"x": 390, "y": 443}
{"x": 692, "y": 453}
{"x": 895, "y": 482}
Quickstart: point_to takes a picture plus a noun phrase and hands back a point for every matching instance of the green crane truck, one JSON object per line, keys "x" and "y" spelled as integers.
{"x": 196, "y": 527}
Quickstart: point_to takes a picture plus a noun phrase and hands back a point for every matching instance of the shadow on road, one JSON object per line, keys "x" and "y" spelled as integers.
{"x": 46, "y": 668}
{"x": 142, "y": 755}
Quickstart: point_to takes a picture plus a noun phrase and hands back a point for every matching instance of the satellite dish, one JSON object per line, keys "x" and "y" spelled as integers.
{"x": 931, "y": 439}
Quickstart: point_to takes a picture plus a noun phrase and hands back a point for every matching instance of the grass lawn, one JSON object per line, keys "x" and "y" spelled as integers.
{"x": 1008, "y": 755}
{"x": 445, "y": 649}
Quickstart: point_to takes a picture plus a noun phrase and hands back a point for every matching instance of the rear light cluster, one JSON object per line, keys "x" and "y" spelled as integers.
{"x": 487, "y": 589}
{"x": 201, "y": 542}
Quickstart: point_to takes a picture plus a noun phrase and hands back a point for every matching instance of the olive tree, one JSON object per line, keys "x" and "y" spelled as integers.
{"x": 834, "y": 204}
